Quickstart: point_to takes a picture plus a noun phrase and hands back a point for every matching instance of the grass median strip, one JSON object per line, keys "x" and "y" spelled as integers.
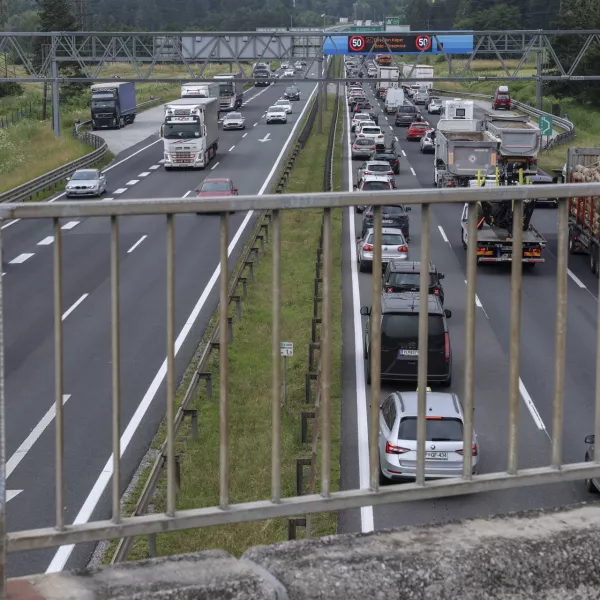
{"x": 250, "y": 386}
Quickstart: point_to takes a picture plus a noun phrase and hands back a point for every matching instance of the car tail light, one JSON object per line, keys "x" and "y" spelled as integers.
{"x": 533, "y": 161}
{"x": 355, "y": 147}
{"x": 436, "y": 291}
{"x": 473, "y": 450}
{"x": 447, "y": 347}
{"x": 393, "y": 449}
{"x": 361, "y": 135}
{"x": 403, "y": 248}
{"x": 368, "y": 173}
{"x": 390, "y": 290}
{"x": 368, "y": 247}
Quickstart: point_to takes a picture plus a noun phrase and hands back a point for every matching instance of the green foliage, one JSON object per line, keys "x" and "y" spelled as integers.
{"x": 10, "y": 89}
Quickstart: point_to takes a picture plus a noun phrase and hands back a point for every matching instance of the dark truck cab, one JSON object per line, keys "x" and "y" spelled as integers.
{"x": 113, "y": 104}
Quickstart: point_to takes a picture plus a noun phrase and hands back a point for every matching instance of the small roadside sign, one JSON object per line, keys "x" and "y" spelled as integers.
{"x": 545, "y": 125}
{"x": 287, "y": 348}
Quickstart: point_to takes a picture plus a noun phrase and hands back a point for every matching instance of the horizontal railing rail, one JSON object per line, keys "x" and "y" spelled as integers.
{"x": 562, "y": 123}
{"x": 27, "y": 190}
{"x": 225, "y": 513}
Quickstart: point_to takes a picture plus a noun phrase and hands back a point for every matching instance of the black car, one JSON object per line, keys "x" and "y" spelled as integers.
{"x": 405, "y": 276}
{"x": 405, "y": 115}
{"x": 291, "y": 93}
{"x": 391, "y": 216}
{"x": 390, "y": 157}
{"x": 400, "y": 339}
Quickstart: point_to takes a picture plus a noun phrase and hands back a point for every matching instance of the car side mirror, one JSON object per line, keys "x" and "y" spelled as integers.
{"x": 197, "y": 190}
{"x": 448, "y": 313}
{"x": 365, "y": 311}
{"x": 354, "y": 187}
{"x": 589, "y": 439}
{"x": 408, "y": 208}
{"x": 235, "y": 190}
{"x": 441, "y": 276}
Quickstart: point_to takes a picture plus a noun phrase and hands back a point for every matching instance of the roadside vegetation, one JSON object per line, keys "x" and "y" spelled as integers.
{"x": 249, "y": 385}
{"x": 28, "y": 148}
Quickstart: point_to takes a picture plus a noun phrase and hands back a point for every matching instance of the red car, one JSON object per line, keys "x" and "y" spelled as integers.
{"x": 416, "y": 131}
{"x": 222, "y": 186}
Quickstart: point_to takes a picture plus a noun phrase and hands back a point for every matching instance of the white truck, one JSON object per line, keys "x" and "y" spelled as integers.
{"x": 231, "y": 91}
{"x": 462, "y": 150}
{"x": 203, "y": 89}
{"x": 190, "y": 133}
{"x": 386, "y": 77}
{"x": 423, "y": 73}
{"x": 393, "y": 99}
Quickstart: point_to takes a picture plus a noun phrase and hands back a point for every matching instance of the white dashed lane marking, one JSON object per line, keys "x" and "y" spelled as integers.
{"x": 144, "y": 174}
{"x": 120, "y": 191}
{"x": 46, "y": 241}
{"x": 215, "y": 166}
{"x": 133, "y": 182}
{"x": 70, "y": 225}
{"x": 154, "y": 167}
{"x": 21, "y": 259}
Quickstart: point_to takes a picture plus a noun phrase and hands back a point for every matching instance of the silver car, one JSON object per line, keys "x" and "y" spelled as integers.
{"x": 363, "y": 148}
{"x": 375, "y": 167}
{"x": 427, "y": 143}
{"x": 284, "y": 103}
{"x": 85, "y": 182}
{"x": 420, "y": 97}
{"x": 393, "y": 247}
{"x": 444, "y": 436}
{"x": 434, "y": 106}
{"x": 234, "y": 120}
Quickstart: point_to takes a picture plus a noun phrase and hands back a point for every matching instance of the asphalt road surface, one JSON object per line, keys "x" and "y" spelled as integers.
{"x": 250, "y": 158}
{"x": 491, "y": 363}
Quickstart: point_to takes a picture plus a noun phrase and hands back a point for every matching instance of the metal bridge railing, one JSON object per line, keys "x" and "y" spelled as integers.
{"x": 277, "y": 506}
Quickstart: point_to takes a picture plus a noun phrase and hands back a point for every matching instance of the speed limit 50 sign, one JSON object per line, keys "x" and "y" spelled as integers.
{"x": 356, "y": 43}
{"x": 394, "y": 43}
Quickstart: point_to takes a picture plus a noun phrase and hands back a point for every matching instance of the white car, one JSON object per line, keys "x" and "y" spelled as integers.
{"x": 234, "y": 120}
{"x": 372, "y": 132}
{"x": 285, "y": 104}
{"x": 361, "y": 124}
{"x": 393, "y": 247}
{"x": 285, "y": 65}
{"x": 276, "y": 114}
{"x": 289, "y": 73}
{"x": 298, "y": 66}
{"x": 360, "y": 118}
{"x": 427, "y": 141}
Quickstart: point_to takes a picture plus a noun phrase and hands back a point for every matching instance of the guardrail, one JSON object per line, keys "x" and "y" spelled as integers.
{"x": 27, "y": 190}
{"x": 565, "y": 124}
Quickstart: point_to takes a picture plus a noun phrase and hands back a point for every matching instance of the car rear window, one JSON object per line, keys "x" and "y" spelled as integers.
{"x": 503, "y": 96}
{"x": 406, "y": 109}
{"x": 380, "y": 168}
{"x": 403, "y": 328}
{"x": 407, "y": 279}
{"x": 436, "y": 430}
{"x": 363, "y": 142}
{"x": 373, "y": 186}
{"x": 393, "y": 210}
{"x": 385, "y": 157}
{"x": 371, "y": 130}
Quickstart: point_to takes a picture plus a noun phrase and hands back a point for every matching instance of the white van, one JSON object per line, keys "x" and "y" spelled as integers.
{"x": 393, "y": 99}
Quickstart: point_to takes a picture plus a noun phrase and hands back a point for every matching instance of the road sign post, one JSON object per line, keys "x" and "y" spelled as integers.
{"x": 286, "y": 349}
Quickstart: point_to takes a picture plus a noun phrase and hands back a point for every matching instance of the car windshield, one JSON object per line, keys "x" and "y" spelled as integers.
{"x": 234, "y": 116}
{"x": 388, "y": 239}
{"x": 403, "y": 328}
{"x": 373, "y": 186}
{"x": 275, "y": 109}
{"x": 182, "y": 130}
{"x": 215, "y": 186}
{"x": 503, "y": 96}
{"x": 436, "y": 430}
{"x": 282, "y": 103}
{"x": 84, "y": 175}
{"x": 371, "y": 130}
{"x": 411, "y": 280}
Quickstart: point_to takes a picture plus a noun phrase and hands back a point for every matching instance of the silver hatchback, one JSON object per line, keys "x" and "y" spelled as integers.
{"x": 444, "y": 437}
{"x": 393, "y": 247}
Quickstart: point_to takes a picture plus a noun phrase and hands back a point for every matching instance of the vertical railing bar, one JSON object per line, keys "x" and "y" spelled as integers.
{"x": 58, "y": 377}
{"x": 2, "y": 439}
{"x": 562, "y": 259}
{"x": 326, "y": 350}
{"x": 516, "y": 285}
{"x": 469, "y": 397}
{"x": 422, "y": 348}
{"x": 223, "y": 367}
{"x": 597, "y": 412}
{"x": 276, "y": 360}
{"x": 375, "y": 350}
{"x": 171, "y": 482}
{"x": 116, "y": 369}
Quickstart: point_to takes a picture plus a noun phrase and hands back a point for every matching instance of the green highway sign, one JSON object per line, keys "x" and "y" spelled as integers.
{"x": 392, "y": 21}
{"x": 545, "y": 124}
{"x": 367, "y": 29}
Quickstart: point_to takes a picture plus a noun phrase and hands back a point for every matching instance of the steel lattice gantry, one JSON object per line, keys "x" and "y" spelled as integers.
{"x": 143, "y": 51}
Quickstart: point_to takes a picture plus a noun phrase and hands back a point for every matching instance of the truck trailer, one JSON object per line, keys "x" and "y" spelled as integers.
{"x": 112, "y": 104}
{"x": 231, "y": 92}
{"x": 423, "y": 73}
{"x": 190, "y": 132}
{"x": 519, "y": 140}
{"x": 583, "y": 165}
{"x": 386, "y": 77}
{"x": 204, "y": 89}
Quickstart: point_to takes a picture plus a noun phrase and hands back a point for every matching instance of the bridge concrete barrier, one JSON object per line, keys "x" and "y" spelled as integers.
{"x": 550, "y": 555}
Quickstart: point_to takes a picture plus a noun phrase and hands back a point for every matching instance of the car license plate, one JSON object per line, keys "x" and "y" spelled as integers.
{"x": 387, "y": 221}
{"x": 408, "y": 353}
{"x": 436, "y": 455}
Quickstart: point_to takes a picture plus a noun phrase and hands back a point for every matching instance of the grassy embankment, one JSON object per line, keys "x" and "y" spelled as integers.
{"x": 29, "y": 148}
{"x": 250, "y": 380}
{"x": 585, "y": 118}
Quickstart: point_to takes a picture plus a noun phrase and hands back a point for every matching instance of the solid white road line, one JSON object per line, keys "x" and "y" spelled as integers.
{"x": 154, "y": 167}
{"x": 244, "y": 135}
{"x": 13, "y": 462}
{"x": 255, "y": 124}
{"x": 133, "y": 182}
{"x": 443, "y": 234}
{"x": 21, "y": 259}
{"x": 413, "y": 171}
{"x": 575, "y": 278}
{"x": 62, "y": 554}
{"x": 136, "y": 244}
{"x": 108, "y": 199}
{"x": 161, "y": 161}
{"x": 46, "y": 241}
{"x": 144, "y": 174}
{"x": 10, "y": 223}
{"x": 187, "y": 194}
{"x": 120, "y": 191}
{"x": 478, "y": 302}
{"x": 74, "y": 306}
{"x": 215, "y": 166}
{"x": 403, "y": 153}
{"x": 366, "y": 512}
{"x": 70, "y": 225}
{"x": 232, "y": 147}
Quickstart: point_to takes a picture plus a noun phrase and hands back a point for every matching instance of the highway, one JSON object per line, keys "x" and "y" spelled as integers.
{"x": 251, "y": 159}
{"x": 492, "y": 351}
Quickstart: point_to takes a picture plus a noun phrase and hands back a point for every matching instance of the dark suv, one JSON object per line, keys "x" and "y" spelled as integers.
{"x": 390, "y": 156}
{"x": 405, "y": 276}
{"x": 400, "y": 339}
{"x": 291, "y": 93}
{"x": 405, "y": 115}
{"x": 391, "y": 216}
